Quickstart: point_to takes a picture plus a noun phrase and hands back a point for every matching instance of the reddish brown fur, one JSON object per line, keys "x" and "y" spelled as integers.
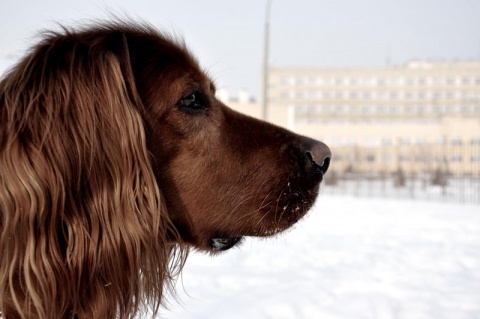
{"x": 105, "y": 181}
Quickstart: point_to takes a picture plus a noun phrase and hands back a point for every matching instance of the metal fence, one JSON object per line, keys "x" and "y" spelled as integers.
{"x": 448, "y": 173}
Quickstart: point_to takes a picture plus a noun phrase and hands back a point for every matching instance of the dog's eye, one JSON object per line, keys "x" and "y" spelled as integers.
{"x": 192, "y": 103}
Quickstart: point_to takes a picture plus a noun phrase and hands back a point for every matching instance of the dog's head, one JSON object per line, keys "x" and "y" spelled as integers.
{"x": 224, "y": 175}
{"x": 115, "y": 155}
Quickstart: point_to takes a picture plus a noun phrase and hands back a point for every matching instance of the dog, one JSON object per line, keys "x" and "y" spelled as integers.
{"x": 116, "y": 158}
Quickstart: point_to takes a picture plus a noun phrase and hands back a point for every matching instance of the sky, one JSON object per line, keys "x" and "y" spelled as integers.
{"x": 227, "y": 36}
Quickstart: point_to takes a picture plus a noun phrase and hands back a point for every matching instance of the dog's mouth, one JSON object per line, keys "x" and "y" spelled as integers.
{"x": 227, "y": 242}
{"x": 224, "y": 243}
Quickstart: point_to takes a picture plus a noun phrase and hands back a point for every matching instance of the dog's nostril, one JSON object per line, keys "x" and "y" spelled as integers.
{"x": 320, "y": 155}
{"x": 326, "y": 163}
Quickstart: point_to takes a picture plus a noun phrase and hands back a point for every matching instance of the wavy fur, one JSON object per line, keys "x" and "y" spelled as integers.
{"x": 83, "y": 223}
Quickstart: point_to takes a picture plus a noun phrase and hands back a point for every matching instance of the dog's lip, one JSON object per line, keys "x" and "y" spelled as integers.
{"x": 224, "y": 243}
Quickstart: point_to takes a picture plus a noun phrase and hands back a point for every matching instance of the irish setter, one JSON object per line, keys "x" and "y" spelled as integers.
{"x": 115, "y": 158}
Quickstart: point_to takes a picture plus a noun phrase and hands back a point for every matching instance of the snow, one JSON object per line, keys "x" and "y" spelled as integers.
{"x": 349, "y": 258}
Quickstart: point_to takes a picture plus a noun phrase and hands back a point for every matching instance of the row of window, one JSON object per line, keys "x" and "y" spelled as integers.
{"x": 373, "y": 95}
{"x": 389, "y": 158}
{"x": 312, "y": 110}
{"x": 379, "y": 81}
{"x": 404, "y": 141}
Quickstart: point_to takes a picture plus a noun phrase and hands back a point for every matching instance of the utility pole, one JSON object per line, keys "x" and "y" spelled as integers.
{"x": 265, "y": 60}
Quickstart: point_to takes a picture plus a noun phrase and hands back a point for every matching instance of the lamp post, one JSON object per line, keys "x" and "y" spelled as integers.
{"x": 265, "y": 60}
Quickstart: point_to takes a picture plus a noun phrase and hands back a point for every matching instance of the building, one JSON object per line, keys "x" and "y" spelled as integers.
{"x": 421, "y": 116}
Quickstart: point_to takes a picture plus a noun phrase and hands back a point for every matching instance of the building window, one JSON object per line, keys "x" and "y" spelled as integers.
{"x": 440, "y": 159}
{"x": 352, "y": 141}
{"x": 337, "y": 141}
{"x": 340, "y": 109}
{"x": 475, "y": 141}
{"x": 381, "y": 109}
{"x": 386, "y": 141}
{"x": 371, "y": 141}
{"x": 299, "y": 95}
{"x": 421, "y": 141}
{"x": 456, "y": 158}
{"x": 287, "y": 80}
{"x": 284, "y": 95}
{"x": 437, "y": 110}
{"x": 456, "y": 141}
{"x": 404, "y": 158}
{"x": 387, "y": 158}
{"x": 301, "y": 81}
{"x": 365, "y": 109}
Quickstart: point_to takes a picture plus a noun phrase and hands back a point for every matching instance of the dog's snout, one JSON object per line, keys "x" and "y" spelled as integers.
{"x": 320, "y": 155}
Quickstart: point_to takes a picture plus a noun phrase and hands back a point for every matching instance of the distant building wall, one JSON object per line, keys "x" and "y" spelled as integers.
{"x": 420, "y": 90}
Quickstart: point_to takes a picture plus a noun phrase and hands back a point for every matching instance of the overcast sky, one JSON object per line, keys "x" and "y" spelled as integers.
{"x": 227, "y": 36}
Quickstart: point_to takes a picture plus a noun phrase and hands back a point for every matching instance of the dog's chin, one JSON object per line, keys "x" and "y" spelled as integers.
{"x": 284, "y": 218}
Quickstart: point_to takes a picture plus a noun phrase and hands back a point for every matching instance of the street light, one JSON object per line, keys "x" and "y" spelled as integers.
{"x": 265, "y": 60}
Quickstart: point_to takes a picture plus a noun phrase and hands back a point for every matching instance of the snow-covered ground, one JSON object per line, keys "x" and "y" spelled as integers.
{"x": 350, "y": 258}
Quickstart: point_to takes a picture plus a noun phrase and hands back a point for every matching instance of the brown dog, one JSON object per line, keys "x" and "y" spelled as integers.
{"x": 115, "y": 157}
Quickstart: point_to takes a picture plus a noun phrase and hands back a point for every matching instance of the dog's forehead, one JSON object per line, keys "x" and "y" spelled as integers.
{"x": 171, "y": 54}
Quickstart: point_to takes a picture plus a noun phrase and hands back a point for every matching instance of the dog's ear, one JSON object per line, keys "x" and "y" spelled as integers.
{"x": 126, "y": 64}
{"x": 83, "y": 224}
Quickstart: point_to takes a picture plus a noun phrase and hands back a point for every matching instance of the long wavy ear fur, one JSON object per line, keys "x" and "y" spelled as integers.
{"x": 83, "y": 226}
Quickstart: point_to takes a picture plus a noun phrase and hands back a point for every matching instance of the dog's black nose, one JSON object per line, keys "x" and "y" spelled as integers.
{"x": 320, "y": 155}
